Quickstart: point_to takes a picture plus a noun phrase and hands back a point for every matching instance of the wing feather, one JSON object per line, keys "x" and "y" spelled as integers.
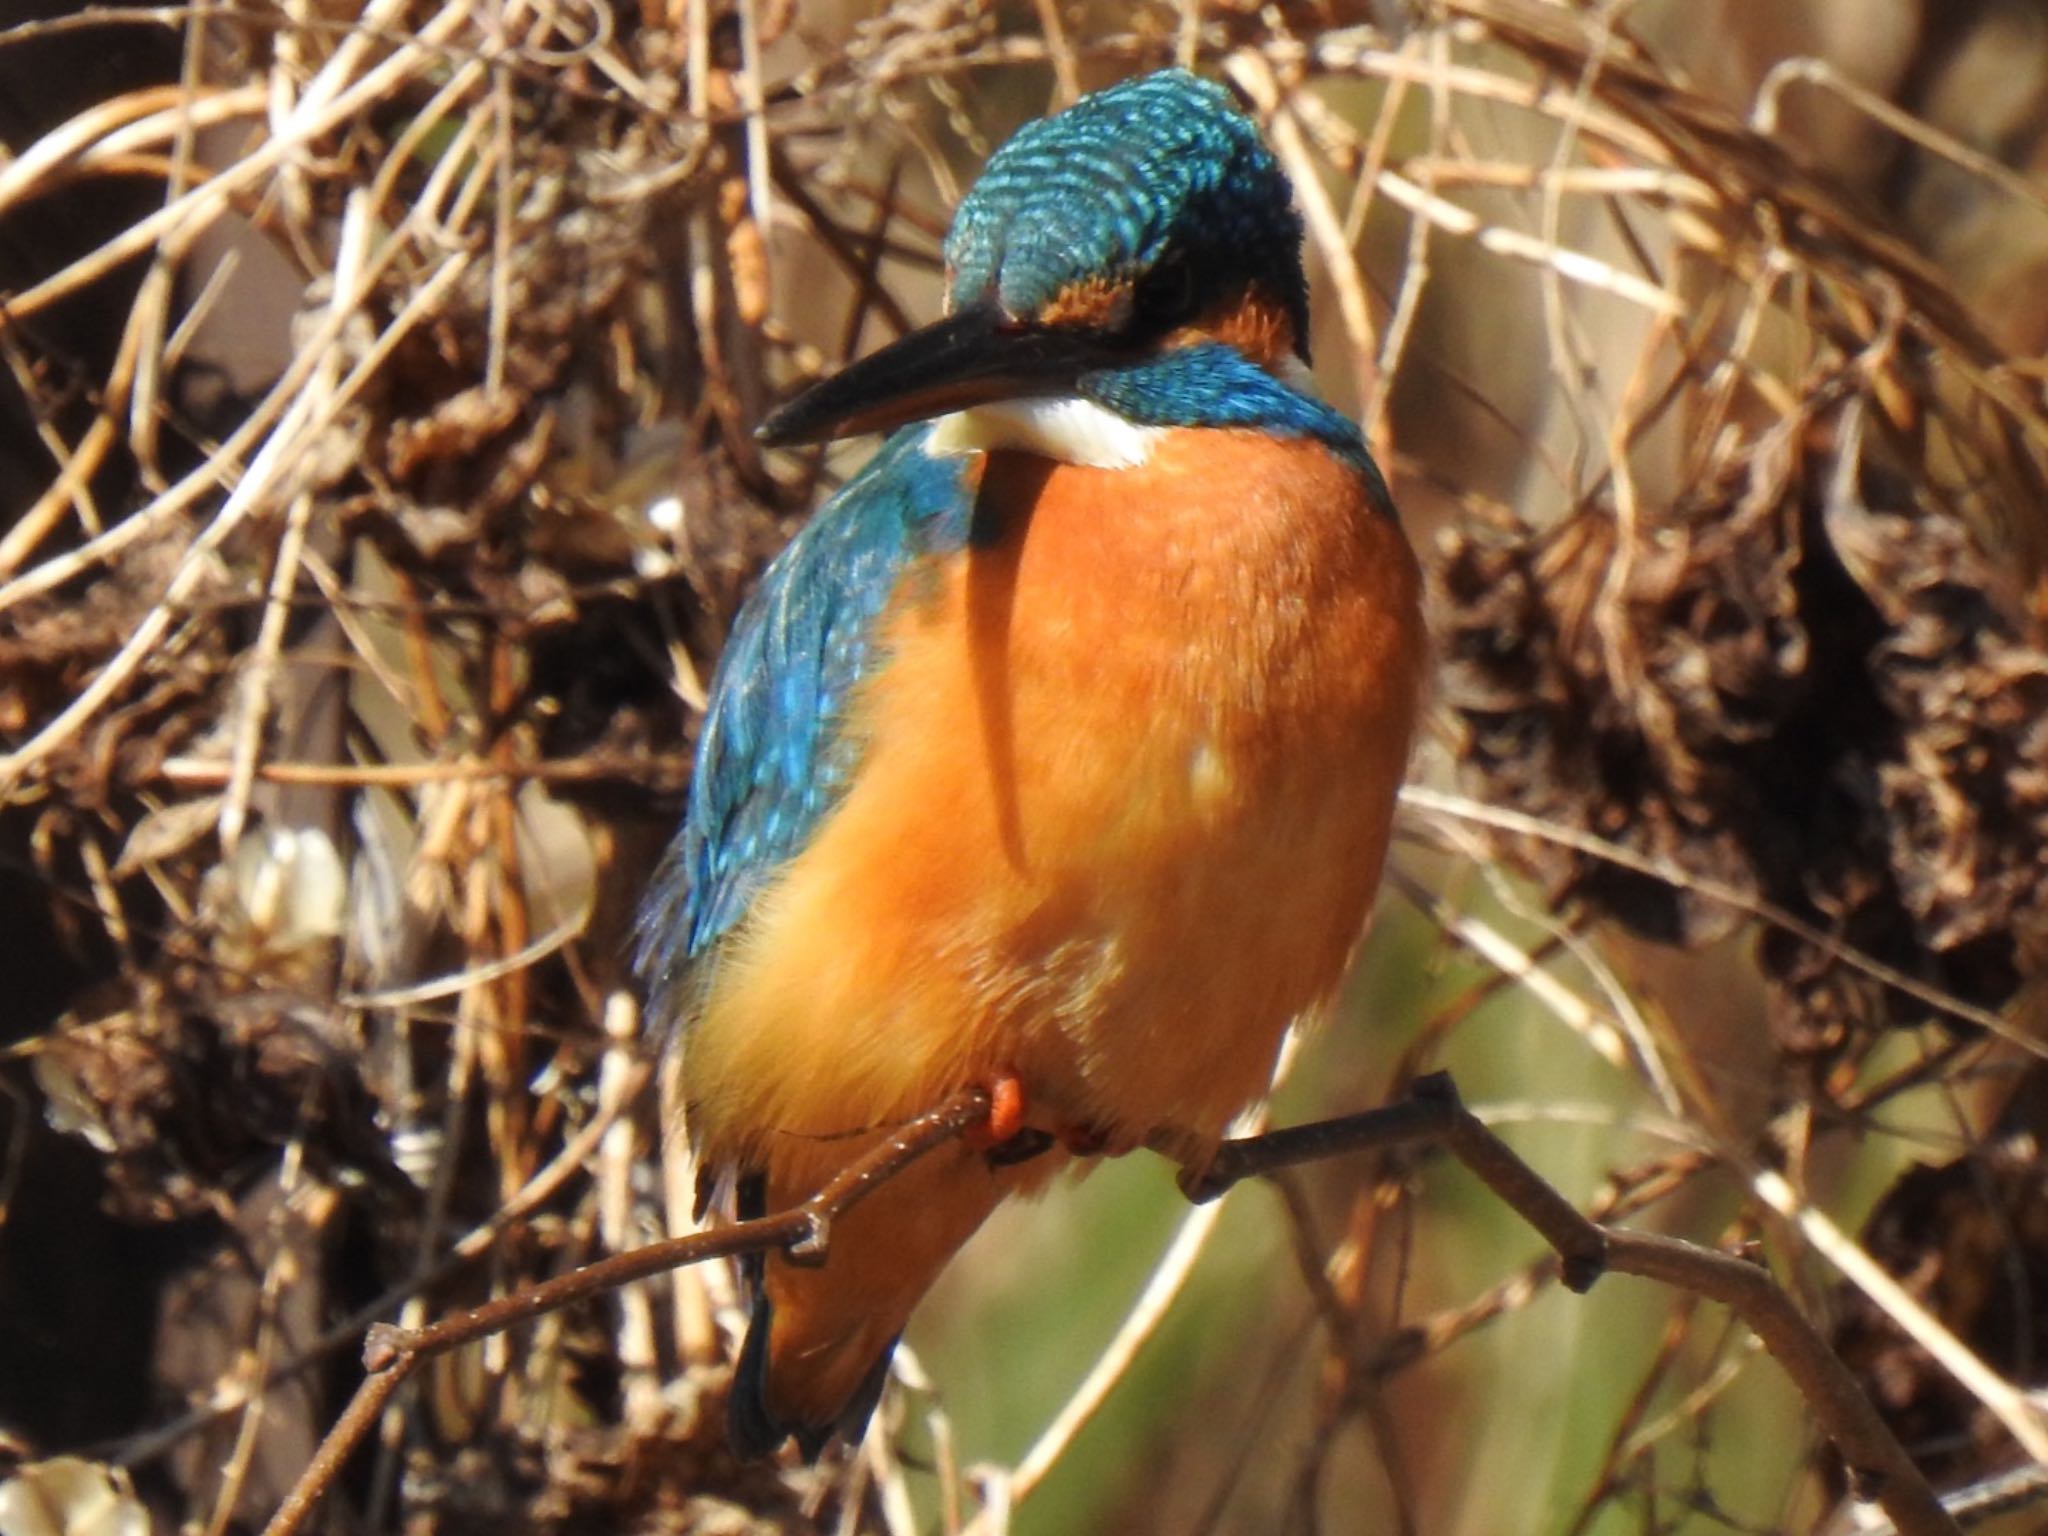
{"x": 773, "y": 759}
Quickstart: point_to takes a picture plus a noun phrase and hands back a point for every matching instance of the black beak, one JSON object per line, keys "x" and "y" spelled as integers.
{"x": 970, "y": 358}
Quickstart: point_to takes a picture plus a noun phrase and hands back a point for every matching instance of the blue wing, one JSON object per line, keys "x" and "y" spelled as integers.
{"x": 771, "y": 761}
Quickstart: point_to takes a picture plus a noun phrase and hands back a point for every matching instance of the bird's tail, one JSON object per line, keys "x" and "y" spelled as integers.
{"x": 820, "y": 1338}
{"x": 756, "y": 1428}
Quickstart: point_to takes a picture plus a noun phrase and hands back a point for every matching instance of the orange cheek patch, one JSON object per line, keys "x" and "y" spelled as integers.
{"x": 1248, "y": 321}
{"x": 1098, "y": 303}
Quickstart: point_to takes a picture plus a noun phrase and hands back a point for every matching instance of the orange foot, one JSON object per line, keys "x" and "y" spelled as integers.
{"x": 1003, "y": 1139}
{"x": 1006, "y": 1110}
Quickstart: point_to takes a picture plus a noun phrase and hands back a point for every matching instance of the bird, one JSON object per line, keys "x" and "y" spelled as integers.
{"x": 1057, "y": 753}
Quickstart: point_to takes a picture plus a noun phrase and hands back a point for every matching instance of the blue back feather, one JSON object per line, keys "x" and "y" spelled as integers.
{"x": 770, "y": 761}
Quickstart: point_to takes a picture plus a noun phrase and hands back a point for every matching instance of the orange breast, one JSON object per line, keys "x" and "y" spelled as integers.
{"x": 1126, "y": 778}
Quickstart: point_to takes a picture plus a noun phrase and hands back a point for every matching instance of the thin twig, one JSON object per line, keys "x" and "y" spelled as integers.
{"x": 1004, "y": 1490}
{"x": 1168, "y": 1278}
{"x": 654, "y": 770}
{"x": 273, "y": 460}
{"x": 2012, "y": 1406}
{"x": 1879, "y": 1466}
{"x": 804, "y": 1234}
{"x": 541, "y": 1188}
{"x": 205, "y": 202}
{"x": 2008, "y": 1403}
{"x": 1251, "y": 71}
{"x": 1735, "y": 899}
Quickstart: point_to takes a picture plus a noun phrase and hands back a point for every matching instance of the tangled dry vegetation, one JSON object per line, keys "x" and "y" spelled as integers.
{"x": 375, "y": 486}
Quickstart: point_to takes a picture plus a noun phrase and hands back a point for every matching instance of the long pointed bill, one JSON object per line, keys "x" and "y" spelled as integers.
{"x": 969, "y": 358}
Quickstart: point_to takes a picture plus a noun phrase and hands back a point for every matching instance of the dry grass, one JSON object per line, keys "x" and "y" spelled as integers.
{"x": 378, "y": 483}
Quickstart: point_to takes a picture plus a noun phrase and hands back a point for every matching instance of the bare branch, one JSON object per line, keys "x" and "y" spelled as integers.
{"x": 1879, "y": 1465}
{"x": 803, "y": 1233}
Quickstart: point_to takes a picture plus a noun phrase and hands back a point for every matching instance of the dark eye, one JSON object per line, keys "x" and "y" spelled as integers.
{"x": 1166, "y": 295}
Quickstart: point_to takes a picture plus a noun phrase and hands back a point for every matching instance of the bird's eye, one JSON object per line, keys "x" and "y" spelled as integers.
{"x": 1166, "y": 296}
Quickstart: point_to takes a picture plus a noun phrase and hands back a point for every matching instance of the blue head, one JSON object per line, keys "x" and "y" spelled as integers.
{"x": 1138, "y": 210}
{"x": 1145, "y": 219}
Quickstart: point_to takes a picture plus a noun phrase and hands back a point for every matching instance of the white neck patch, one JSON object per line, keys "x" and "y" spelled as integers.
{"x": 1293, "y": 372}
{"x": 1062, "y": 427}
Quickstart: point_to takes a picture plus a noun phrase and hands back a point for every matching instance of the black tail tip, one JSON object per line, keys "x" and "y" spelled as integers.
{"x": 755, "y": 1431}
{"x": 751, "y": 1427}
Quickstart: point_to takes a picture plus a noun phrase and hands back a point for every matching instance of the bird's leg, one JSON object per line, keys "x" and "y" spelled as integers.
{"x": 1432, "y": 1114}
{"x": 1076, "y": 1140}
{"x": 1003, "y": 1139}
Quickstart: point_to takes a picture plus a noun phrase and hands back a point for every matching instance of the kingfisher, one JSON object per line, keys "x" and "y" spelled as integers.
{"x": 1056, "y": 755}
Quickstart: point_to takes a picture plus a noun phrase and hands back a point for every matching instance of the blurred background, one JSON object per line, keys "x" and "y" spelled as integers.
{"x": 376, "y": 486}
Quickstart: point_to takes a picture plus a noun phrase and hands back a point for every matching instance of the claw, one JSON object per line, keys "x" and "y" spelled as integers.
{"x": 1200, "y": 1185}
{"x": 1020, "y": 1148}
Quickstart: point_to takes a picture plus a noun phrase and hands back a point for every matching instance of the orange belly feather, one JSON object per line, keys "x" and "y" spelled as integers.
{"x": 1126, "y": 775}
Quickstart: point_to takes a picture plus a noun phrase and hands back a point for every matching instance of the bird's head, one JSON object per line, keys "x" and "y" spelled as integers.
{"x": 1144, "y": 218}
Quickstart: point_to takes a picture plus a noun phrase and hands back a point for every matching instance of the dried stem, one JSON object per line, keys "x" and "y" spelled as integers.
{"x": 1879, "y": 1465}
{"x": 803, "y": 1233}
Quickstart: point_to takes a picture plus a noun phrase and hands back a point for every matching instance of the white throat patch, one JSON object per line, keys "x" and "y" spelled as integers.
{"x": 1062, "y": 427}
{"x": 1293, "y": 372}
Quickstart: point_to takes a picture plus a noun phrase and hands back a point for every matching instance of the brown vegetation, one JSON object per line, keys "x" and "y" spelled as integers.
{"x": 376, "y": 482}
